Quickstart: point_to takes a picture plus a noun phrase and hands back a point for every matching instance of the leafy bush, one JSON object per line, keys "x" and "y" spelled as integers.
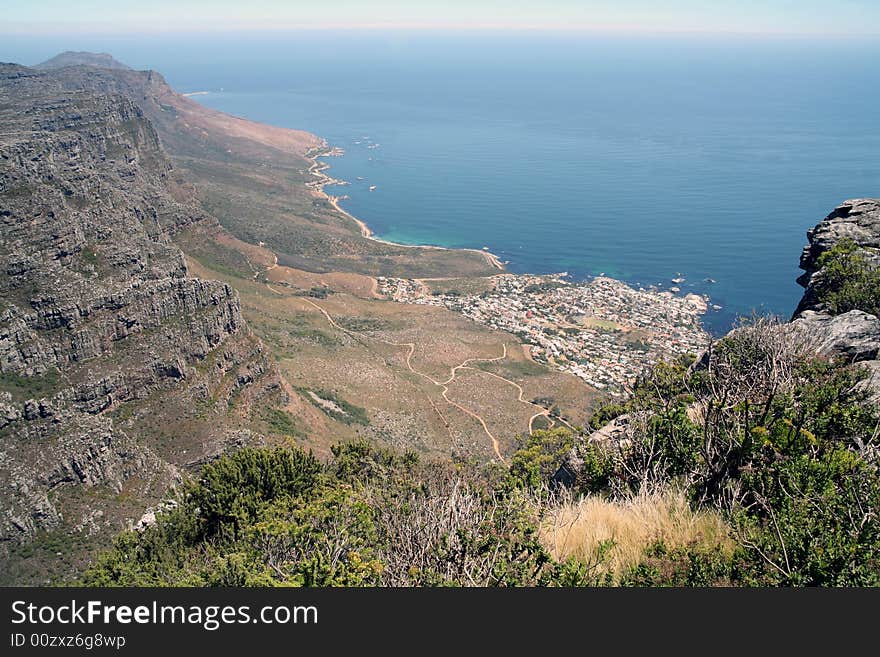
{"x": 605, "y": 414}
{"x": 772, "y": 453}
{"x": 849, "y": 281}
{"x": 370, "y": 517}
{"x": 693, "y": 565}
{"x": 777, "y": 440}
{"x": 231, "y": 491}
{"x": 539, "y": 457}
{"x": 597, "y": 468}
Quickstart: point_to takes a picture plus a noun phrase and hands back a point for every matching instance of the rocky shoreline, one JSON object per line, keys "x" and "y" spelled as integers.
{"x": 318, "y": 169}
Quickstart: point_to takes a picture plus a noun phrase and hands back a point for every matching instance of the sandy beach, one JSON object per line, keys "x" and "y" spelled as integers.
{"x": 318, "y": 168}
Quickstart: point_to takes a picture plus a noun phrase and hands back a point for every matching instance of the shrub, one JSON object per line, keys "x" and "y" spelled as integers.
{"x": 231, "y": 491}
{"x": 539, "y": 457}
{"x": 849, "y": 281}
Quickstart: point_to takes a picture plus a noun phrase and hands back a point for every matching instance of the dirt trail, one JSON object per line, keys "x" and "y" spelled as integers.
{"x": 374, "y": 289}
{"x": 542, "y": 413}
{"x": 257, "y": 272}
{"x": 496, "y": 445}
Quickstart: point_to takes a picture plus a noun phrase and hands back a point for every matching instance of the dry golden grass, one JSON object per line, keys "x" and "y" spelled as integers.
{"x": 578, "y": 528}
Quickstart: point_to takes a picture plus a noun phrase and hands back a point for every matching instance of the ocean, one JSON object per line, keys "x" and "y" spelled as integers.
{"x": 645, "y": 158}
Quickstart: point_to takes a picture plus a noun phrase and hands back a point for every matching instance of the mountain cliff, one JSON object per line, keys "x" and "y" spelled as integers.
{"x": 186, "y": 127}
{"x": 842, "y": 285}
{"x": 117, "y": 368}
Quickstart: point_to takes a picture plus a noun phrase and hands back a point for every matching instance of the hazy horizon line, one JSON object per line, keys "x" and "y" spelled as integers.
{"x": 30, "y": 29}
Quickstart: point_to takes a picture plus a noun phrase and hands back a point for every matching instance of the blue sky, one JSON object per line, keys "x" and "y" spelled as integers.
{"x": 856, "y": 17}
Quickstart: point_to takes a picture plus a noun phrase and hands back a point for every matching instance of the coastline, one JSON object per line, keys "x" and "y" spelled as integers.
{"x": 318, "y": 168}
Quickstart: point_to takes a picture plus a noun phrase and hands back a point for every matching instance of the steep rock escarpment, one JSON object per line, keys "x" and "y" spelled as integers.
{"x": 854, "y": 334}
{"x": 116, "y": 368}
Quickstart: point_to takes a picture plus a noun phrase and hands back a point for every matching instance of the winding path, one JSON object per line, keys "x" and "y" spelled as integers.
{"x": 444, "y": 385}
{"x": 542, "y": 413}
{"x": 411, "y": 347}
{"x": 496, "y": 445}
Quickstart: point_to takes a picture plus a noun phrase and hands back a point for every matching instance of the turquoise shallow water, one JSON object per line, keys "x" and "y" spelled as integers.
{"x": 641, "y": 158}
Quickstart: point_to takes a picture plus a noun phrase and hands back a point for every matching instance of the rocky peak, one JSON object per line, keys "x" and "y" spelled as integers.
{"x": 82, "y": 58}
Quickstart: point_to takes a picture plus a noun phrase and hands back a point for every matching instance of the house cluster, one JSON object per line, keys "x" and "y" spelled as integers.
{"x": 603, "y": 331}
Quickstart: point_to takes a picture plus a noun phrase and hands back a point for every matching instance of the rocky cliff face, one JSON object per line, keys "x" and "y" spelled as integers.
{"x": 116, "y": 367}
{"x": 854, "y": 335}
{"x": 857, "y": 220}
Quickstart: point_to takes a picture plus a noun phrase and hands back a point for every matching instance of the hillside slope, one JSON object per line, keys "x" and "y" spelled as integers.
{"x": 117, "y": 368}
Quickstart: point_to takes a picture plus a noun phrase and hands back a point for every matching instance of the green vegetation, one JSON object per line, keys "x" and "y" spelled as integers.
{"x": 759, "y": 466}
{"x": 780, "y": 443}
{"x": 282, "y": 423}
{"x": 23, "y": 388}
{"x": 89, "y": 255}
{"x": 363, "y": 324}
{"x": 539, "y": 457}
{"x": 214, "y": 256}
{"x": 370, "y": 517}
{"x": 849, "y": 280}
{"x": 61, "y": 548}
{"x": 336, "y": 407}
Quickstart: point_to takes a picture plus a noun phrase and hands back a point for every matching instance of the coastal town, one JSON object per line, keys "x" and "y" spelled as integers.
{"x": 603, "y": 331}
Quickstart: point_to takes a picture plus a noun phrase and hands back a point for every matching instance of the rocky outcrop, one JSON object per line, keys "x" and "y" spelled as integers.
{"x": 854, "y": 335}
{"x": 571, "y": 469}
{"x": 117, "y": 368}
{"x": 857, "y": 220}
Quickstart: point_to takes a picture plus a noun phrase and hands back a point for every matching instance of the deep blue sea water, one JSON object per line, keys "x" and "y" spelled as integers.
{"x": 639, "y": 157}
